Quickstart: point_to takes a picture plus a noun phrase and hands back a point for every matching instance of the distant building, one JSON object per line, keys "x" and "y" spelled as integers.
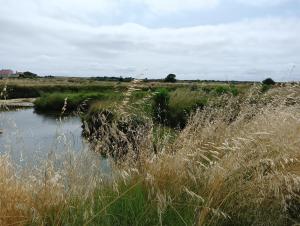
{"x": 6, "y": 72}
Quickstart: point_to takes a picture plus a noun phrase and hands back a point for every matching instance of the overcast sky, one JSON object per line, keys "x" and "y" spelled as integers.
{"x": 195, "y": 39}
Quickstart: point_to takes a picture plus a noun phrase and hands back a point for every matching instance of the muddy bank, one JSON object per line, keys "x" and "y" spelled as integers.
{"x": 16, "y": 103}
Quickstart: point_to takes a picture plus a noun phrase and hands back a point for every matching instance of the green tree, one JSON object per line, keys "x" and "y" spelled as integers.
{"x": 268, "y": 81}
{"x": 170, "y": 78}
{"x": 28, "y": 74}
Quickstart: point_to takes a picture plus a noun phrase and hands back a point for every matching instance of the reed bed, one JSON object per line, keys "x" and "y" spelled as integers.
{"x": 235, "y": 163}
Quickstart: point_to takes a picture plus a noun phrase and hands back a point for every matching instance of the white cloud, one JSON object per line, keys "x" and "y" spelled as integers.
{"x": 66, "y": 10}
{"x": 45, "y": 38}
{"x": 264, "y": 3}
{"x": 245, "y": 50}
{"x": 170, "y": 6}
{"x": 81, "y": 7}
{"x": 88, "y": 8}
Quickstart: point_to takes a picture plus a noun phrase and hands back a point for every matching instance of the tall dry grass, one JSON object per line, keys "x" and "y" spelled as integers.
{"x": 29, "y": 193}
{"x": 240, "y": 161}
{"x": 235, "y": 163}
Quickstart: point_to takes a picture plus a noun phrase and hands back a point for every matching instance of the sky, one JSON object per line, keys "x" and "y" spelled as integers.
{"x": 194, "y": 39}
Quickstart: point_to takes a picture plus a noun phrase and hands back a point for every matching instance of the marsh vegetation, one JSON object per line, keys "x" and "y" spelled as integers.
{"x": 180, "y": 154}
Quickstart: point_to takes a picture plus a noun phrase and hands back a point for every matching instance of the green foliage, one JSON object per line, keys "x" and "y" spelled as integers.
{"x": 182, "y": 103}
{"x": 173, "y": 108}
{"x": 194, "y": 87}
{"x": 234, "y": 90}
{"x": 129, "y": 206}
{"x": 161, "y": 105}
{"x": 207, "y": 89}
{"x": 268, "y": 81}
{"x": 32, "y": 91}
{"x": 220, "y": 90}
{"x": 56, "y": 101}
{"x": 170, "y": 78}
{"x": 265, "y": 88}
{"x": 28, "y": 74}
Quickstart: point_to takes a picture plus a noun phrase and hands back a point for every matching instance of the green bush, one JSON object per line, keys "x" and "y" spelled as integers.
{"x": 220, "y": 90}
{"x": 268, "y": 81}
{"x": 234, "y": 90}
{"x": 170, "y": 78}
{"x": 173, "y": 108}
{"x": 182, "y": 103}
{"x": 161, "y": 105}
{"x": 265, "y": 88}
{"x": 207, "y": 89}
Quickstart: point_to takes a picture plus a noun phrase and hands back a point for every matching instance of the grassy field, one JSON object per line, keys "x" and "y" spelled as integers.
{"x": 78, "y": 94}
{"x": 22, "y": 88}
{"x": 71, "y": 100}
{"x": 232, "y": 158}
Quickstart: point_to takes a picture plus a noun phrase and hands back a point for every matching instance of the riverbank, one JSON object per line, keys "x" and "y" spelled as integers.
{"x": 212, "y": 154}
{"x": 17, "y": 103}
{"x": 237, "y": 164}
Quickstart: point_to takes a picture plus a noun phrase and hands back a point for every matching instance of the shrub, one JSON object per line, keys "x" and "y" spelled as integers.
{"x": 170, "y": 78}
{"x": 207, "y": 89}
{"x": 268, "y": 81}
{"x": 174, "y": 108}
{"x": 182, "y": 103}
{"x": 28, "y": 74}
{"x": 221, "y": 90}
{"x": 161, "y": 105}
{"x": 234, "y": 90}
{"x": 265, "y": 88}
{"x": 194, "y": 87}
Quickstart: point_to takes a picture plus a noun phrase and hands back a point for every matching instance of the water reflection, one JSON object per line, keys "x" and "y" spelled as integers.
{"x": 26, "y": 134}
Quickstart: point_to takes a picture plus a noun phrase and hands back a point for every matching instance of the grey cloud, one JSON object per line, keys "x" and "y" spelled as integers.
{"x": 246, "y": 50}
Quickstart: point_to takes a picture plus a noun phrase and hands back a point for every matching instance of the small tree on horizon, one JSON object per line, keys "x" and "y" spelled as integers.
{"x": 268, "y": 81}
{"x": 28, "y": 74}
{"x": 170, "y": 78}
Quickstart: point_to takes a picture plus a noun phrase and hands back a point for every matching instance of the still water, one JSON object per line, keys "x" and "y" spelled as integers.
{"x": 27, "y": 135}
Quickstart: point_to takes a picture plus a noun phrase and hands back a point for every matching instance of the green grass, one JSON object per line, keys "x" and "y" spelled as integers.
{"x": 182, "y": 103}
{"x": 56, "y": 101}
{"x": 30, "y": 88}
{"x": 129, "y": 206}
